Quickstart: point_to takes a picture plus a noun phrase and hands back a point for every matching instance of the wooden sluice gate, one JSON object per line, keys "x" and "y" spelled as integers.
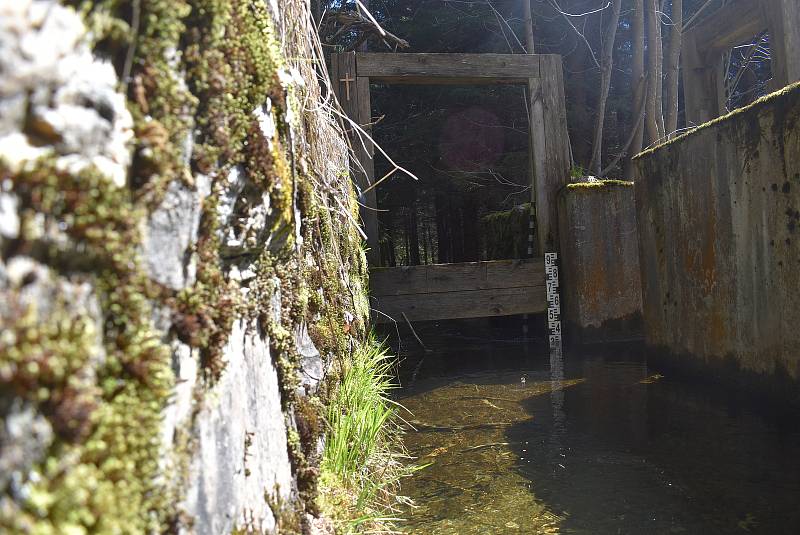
{"x": 460, "y": 290}
{"x": 469, "y": 289}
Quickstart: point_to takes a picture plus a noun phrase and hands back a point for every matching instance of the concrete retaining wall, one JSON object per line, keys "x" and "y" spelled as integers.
{"x": 600, "y": 260}
{"x": 719, "y": 220}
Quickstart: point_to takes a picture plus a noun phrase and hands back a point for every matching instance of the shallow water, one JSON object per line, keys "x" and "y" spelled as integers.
{"x": 593, "y": 442}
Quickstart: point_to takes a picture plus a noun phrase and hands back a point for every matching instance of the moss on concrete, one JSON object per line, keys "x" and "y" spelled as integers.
{"x": 598, "y": 184}
{"x": 789, "y": 92}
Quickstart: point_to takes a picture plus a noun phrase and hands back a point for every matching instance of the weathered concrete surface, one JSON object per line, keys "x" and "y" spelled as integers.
{"x": 719, "y": 221}
{"x": 599, "y": 260}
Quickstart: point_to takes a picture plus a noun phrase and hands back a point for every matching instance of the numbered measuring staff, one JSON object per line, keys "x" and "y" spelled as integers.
{"x": 553, "y": 299}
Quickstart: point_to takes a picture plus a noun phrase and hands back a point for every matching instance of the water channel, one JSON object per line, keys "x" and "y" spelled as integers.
{"x": 593, "y": 441}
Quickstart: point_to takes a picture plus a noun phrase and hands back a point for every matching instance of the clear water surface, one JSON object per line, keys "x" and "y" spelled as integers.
{"x": 592, "y": 442}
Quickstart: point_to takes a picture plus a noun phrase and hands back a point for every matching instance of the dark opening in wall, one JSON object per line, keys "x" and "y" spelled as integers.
{"x": 468, "y": 145}
{"x": 748, "y": 71}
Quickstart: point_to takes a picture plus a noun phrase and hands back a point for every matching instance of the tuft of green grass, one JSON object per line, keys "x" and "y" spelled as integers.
{"x": 362, "y": 463}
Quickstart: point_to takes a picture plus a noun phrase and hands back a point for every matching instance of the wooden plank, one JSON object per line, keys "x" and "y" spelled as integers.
{"x": 365, "y": 153}
{"x": 537, "y": 152}
{"x": 443, "y": 278}
{"x": 699, "y": 83}
{"x": 346, "y": 83}
{"x": 464, "y": 304}
{"x": 557, "y": 150}
{"x": 352, "y": 92}
{"x": 729, "y": 26}
{"x": 334, "y": 74}
{"x": 448, "y": 68}
{"x": 398, "y": 280}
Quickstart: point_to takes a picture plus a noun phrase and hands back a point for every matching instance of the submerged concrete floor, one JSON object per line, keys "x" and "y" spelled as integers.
{"x": 610, "y": 447}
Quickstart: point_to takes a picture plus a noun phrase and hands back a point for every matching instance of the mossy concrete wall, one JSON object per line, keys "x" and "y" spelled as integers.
{"x": 178, "y": 266}
{"x": 601, "y": 289}
{"x": 719, "y": 232}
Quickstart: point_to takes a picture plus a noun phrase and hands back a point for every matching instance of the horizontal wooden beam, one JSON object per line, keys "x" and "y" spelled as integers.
{"x": 463, "y": 69}
{"x": 729, "y": 26}
{"x": 438, "y": 278}
{"x": 462, "y": 290}
{"x": 463, "y": 304}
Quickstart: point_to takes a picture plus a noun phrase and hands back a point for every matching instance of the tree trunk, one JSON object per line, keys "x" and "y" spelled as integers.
{"x": 673, "y": 63}
{"x": 441, "y": 217}
{"x": 457, "y": 233}
{"x": 577, "y": 63}
{"x": 637, "y": 82}
{"x": 659, "y": 46}
{"x": 392, "y": 253}
{"x": 413, "y": 235}
{"x": 606, "y": 64}
{"x": 425, "y": 245}
{"x": 526, "y": 14}
{"x": 654, "y": 113}
{"x": 470, "y": 229}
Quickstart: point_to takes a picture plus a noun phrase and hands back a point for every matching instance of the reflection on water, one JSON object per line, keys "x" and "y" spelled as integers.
{"x": 591, "y": 443}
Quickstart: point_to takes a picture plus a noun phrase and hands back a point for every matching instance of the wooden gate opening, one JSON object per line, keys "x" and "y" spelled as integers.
{"x": 712, "y": 85}
{"x": 468, "y": 147}
{"x": 465, "y": 289}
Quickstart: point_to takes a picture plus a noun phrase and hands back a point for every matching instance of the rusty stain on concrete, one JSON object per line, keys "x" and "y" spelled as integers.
{"x": 600, "y": 264}
{"x": 719, "y": 251}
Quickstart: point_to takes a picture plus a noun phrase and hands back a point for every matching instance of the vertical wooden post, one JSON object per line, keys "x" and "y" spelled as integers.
{"x": 783, "y": 17}
{"x": 536, "y": 157}
{"x": 555, "y": 138}
{"x": 703, "y": 76}
{"x": 695, "y": 82}
{"x": 717, "y": 75}
{"x": 365, "y": 152}
{"x": 352, "y": 92}
{"x": 703, "y": 81}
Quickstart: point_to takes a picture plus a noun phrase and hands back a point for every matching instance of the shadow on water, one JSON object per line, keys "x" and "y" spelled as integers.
{"x": 597, "y": 442}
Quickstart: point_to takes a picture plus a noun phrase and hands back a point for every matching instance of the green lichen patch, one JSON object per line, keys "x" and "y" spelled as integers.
{"x": 233, "y": 63}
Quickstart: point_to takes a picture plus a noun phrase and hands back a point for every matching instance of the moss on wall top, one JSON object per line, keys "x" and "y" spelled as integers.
{"x": 779, "y": 98}
{"x": 598, "y": 185}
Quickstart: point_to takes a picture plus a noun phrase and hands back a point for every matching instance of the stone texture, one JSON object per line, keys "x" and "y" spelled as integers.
{"x": 241, "y": 451}
{"x": 57, "y": 98}
{"x": 171, "y": 232}
{"x": 312, "y": 365}
{"x": 24, "y": 438}
{"x": 719, "y": 219}
{"x": 9, "y": 217}
{"x": 224, "y": 443}
{"x": 601, "y": 289}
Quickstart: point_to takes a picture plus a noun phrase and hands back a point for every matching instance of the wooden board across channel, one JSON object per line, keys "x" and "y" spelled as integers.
{"x": 461, "y": 290}
{"x": 448, "y": 68}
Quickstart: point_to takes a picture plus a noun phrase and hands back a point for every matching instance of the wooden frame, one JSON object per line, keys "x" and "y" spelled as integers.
{"x": 549, "y": 147}
{"x": 705, "y": 44}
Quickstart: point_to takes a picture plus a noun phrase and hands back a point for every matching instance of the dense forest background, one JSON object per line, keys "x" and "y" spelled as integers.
{"x": 469, "y": 145}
